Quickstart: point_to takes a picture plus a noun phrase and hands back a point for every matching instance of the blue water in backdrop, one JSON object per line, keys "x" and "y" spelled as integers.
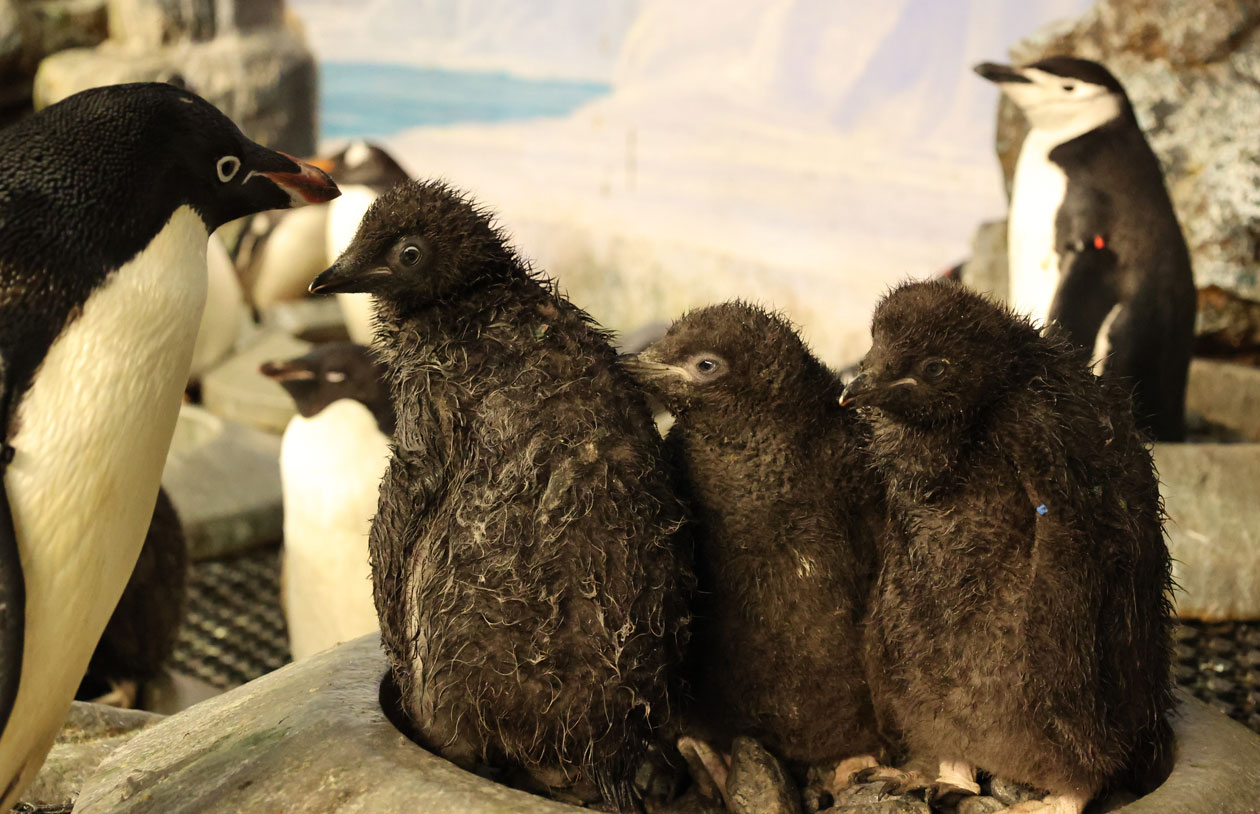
{"x": 359, "y": 99}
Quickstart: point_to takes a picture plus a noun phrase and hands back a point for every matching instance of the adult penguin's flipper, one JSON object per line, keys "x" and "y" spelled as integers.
{"x": 12, "y": 584}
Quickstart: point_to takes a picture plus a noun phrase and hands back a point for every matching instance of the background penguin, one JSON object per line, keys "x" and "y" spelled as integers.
{"x": 1094, "y": 242}
{"x": 106, "y": 203}
{"x": 331, "y": 461}
{"x": 1022, "y": 626}
{"x": 525, "y": 553}
{"x": 785, "y": 516}
{"x": 279, "y": 252}
{"x": 141, "y": 633}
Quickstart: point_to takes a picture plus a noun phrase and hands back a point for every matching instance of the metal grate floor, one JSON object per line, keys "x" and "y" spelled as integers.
{"x": 234, "y": 632}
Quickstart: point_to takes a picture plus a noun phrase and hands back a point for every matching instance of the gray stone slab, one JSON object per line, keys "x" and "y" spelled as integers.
{"x": 224, "y": 479}
{"x": 1212, "y": 496}
{"x": 236, "y": 391}
{"x": 315, "y": 319}
{"x": 1226, "y": 393}
{"x": 310, "y": 739}
{"x": 90, "y": 734}
{"x": 307, "y": 739}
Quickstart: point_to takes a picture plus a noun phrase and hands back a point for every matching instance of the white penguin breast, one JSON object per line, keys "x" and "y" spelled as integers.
{"x": 92, "y": 435}
{"x": 1036, "y": 195}
{"x": 344, "y": 215}
{"x": 331, "y": 466}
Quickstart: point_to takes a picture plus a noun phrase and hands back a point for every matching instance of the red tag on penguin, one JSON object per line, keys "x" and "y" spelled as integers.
{"x": 1099, "y": 243}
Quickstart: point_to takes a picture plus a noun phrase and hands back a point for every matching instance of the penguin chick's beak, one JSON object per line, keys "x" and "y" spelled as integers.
{"x": 308, "y": 185}
{"x": 863, "y": 387}
{"x": 998, "y": 74}
{"x": 289, "y": 371}
{"x": 646, "y": 370}
{"x": 345, "y": 277}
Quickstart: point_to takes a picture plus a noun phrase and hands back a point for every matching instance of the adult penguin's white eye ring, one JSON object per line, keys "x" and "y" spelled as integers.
{"x": 227, "y": 167}
{"x": 410, "y": 255}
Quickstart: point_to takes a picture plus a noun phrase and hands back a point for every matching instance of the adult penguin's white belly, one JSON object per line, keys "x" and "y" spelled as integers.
{"x": 331, "y": 466}
{"x": 224, "y": 313}
{"x": 1036, "y": 195}
{"x": 91, "y": 437}
{"x": 344, "y": 215}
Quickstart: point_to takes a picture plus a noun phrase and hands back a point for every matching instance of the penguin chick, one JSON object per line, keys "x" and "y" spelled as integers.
{"x": 332, "y": 457}
{"x": 528, "y": 567}
{"x": 785, "y": 513}
{"x": 141, "y": 634}
{"x": 1094, "y": 241}
{"x": 107, "y": 199}
{"x": 1021, "y": 626}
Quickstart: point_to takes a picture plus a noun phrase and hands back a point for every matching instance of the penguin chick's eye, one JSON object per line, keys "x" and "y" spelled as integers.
{"x": 227, "y": 167}
{"x": 1069, "y": 87}
{"x": 934, "y": 368}
{"x": 706, "y": 367}
{"x": 410, "y": 255}
{"x": 335, "y": 376}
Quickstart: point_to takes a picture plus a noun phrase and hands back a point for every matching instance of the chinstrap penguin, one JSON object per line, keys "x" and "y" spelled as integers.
{"x": 1094, "y": 243}
{"x": 786, "y": 514}
{"x": 529, "y": 573}
{"x": 106, "y": 203}
{"x": 1021, "y": 621}
{"x": 331, "y": 461}
{"x": 142, "y": 631}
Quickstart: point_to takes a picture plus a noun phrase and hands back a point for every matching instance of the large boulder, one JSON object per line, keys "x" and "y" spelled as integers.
{"x": 245, "y": 56}
{"x": 1192, "y": 71}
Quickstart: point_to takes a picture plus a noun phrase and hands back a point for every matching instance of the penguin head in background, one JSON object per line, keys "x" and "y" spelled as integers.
{"x": 726, "y": 358}
{"x": 1061, "y": 94}
{"x": 365, "y": 164}
{"x": 419, "y": 243}
{"x": 939, "y": 354}
{"x": 334, "y": 371}
{"x": 172, "y": 147}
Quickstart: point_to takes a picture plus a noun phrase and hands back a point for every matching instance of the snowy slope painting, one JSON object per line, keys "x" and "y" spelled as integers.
{"x": 656, "y": 156}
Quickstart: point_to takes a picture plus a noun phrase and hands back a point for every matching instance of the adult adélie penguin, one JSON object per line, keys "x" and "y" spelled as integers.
{"x": 1094, "y": 242}
{"x": 107, "y": 200}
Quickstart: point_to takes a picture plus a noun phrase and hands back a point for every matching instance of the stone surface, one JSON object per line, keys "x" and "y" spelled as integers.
{"x": 986, "y": 270}
{"x": 1193, "y": 74}
{"x": 258, "y": 71}
{"x": 1226, "y": 393}
{"x": 1226, "y": 325}
{"x": 309, "y": 738}
{"x": 224, "y": 479}
{"x": 1213, "y": 527}
{"x": 869, "y": 798}
{"x": 757, "y": 783}
{"x": 235, "y": 390}
{"x": 90, "y": 734}
{"x": 980, "y": 805}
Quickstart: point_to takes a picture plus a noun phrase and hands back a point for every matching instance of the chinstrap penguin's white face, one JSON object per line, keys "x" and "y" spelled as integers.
{"x": 1066, "y": 106}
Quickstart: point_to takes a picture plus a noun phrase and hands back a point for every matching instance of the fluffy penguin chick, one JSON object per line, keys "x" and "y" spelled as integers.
{"x": 141, "y": 634}
{"x": 1022, "y": 625}
{"x": 785, "y": 510}
{"x": 331, "y": 461}
{"x": 525, "y": 552}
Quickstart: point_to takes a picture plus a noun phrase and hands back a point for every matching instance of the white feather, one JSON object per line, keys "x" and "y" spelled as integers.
{"x": 344, "y": 216}
{"x": 331, "y": 466}
{"x": 92, "y": 436}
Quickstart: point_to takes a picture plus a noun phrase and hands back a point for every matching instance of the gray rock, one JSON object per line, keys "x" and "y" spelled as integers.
{"x": 235, "y": 390}
{"x": 1193, "y": 74}
{"x": 1213, "y": 527}
{"x": 258, "y": 71}
{"x": 90, "y": 734}
{"x": 309, "y": 738}
{"x": 980, "y": 805}
{"x": 224, "y": 479}
{"x": 986, "y": 269}
{"x": 1008, "y": 792}
{"x": 1226, "y": 325}
{"x": 757, "y": 782}
{"x": 1227, "y": 394}
{"x": 315, "y": 319}
{"x": 869, "y": 799}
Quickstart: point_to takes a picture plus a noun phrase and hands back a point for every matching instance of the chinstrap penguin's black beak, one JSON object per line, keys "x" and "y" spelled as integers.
{"x": 998, "y": 74}
{"x": 305, "y": 183}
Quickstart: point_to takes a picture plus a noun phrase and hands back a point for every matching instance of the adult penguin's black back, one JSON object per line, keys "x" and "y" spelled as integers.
{"x": 106, "y": 203}
{"x": 1094, "y": 242}
{"x": 525, "y": 553}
